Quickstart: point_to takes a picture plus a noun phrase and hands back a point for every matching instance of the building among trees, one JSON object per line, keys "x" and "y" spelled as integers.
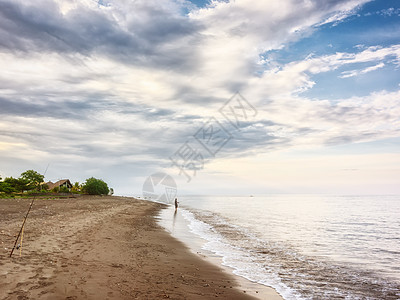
{"x": 60, "y": 185}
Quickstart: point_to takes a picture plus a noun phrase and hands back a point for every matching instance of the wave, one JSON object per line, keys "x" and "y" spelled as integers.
{"x": 278, "y": 265}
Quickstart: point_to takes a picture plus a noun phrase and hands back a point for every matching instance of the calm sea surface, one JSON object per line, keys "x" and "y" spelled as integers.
{"x": 305, "y": 246}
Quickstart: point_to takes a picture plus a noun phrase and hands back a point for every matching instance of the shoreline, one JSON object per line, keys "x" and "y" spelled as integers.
{"x": 177, "y": 226}
{"x": 101, "y": 248}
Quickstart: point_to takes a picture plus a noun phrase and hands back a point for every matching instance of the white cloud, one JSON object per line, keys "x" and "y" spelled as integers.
{"x": 126, "y": 83}
{"x": 347, "y": 74}
{"x": 295, "y": 77}
{"x": 343, "y": 10}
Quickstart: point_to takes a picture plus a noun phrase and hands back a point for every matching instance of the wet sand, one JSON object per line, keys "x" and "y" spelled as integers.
{"x": 101, "y": 248}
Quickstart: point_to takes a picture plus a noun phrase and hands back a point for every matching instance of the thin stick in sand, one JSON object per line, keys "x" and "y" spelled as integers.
{"x": 22, "y": 227}
{"x": 22, "y": 238}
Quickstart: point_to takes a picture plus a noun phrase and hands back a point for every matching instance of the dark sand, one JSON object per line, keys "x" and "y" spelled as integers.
{"x": 101, "y": 248}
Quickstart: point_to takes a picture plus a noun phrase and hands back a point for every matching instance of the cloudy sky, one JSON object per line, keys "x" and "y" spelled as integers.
{"x": 239, "y": 96}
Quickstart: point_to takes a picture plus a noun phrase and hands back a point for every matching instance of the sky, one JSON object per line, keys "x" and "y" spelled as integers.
{"x": 226, "y": 97}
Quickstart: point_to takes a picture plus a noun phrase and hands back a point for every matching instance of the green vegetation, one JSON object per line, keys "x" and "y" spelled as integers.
{"x": 14, "y": 185}
{"x": 33, "y": 179}
{"x": 76, "y": 188}
{"x": 64, "y": 190}
{"x": 95, "y": 186}
{"x": 32, "y": 182}
{"x": 6, "y": 187}
{"x": 28, "y": 181}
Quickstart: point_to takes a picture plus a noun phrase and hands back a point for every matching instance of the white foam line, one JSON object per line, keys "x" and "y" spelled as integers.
{"x": 236, "y": 258}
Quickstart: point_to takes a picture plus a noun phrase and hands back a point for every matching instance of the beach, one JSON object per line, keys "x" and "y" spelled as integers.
{"x": 93, "y": 247}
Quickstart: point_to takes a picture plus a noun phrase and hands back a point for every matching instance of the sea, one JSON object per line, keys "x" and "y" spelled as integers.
{"x": 303, "y": 246}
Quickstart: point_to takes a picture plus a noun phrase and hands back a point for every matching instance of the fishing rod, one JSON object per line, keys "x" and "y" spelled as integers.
{"x": 22, "y": 227}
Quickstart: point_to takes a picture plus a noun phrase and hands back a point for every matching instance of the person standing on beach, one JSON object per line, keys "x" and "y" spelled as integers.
{"x": 176, "y": 203}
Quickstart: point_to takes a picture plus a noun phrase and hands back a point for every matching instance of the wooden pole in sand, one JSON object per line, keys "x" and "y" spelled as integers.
{"x": 22, "y": 239}
{"x": 22, "y": 227}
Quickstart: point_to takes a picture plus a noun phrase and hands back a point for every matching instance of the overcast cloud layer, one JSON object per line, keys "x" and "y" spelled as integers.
{"x": 112, "y": 90}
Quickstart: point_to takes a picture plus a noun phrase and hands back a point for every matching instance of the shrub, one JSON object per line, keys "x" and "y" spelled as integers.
{"x": 94, "y": 186}
{"x": 76, "y": 188}
{"x": 6, "y": 188}
{"x": 64, "y": 189}
{"x": 18, "y": 185}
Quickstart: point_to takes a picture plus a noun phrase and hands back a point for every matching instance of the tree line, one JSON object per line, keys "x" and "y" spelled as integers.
{"x": 31, "y": 181}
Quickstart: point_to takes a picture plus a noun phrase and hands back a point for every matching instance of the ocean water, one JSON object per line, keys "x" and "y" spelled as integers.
{"x": 304, "y": 246}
